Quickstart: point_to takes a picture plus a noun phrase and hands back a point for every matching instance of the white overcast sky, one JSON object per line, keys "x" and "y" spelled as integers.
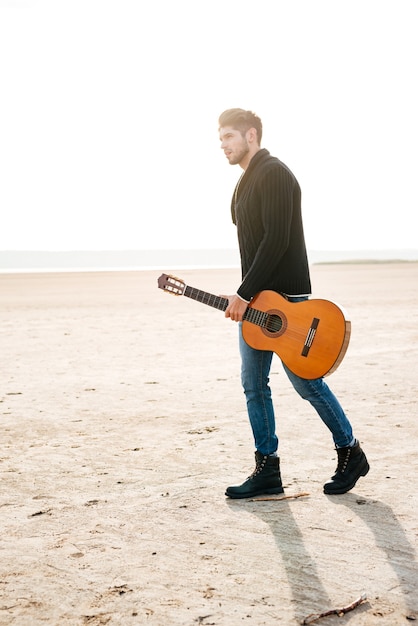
{"x": 109, "y": 109}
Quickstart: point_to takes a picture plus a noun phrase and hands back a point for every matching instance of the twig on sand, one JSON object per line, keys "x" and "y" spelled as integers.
{"x": 296, "y": 495}
{"x": 313, "y": 617}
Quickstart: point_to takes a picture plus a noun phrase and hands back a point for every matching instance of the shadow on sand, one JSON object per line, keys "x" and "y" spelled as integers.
{"x": 308, "y": 592}
{"x": 389, "y": 537}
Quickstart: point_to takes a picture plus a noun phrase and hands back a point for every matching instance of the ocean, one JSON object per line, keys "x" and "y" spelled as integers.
{"x": 125, "y": 260}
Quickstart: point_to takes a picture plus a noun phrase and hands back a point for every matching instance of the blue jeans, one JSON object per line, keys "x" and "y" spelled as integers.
{"x": 255, "y": 371}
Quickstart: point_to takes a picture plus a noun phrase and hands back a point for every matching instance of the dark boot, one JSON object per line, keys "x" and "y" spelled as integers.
{"x": 264, "y": 479}
{"x": 352, "y": 464}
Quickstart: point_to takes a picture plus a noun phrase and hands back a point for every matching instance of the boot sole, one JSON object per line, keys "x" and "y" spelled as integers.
{"x": 241, "y": 496}
{"x": 335, "y": 492}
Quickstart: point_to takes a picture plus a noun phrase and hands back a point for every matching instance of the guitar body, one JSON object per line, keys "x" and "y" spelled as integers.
{"x": 310, "y": 337}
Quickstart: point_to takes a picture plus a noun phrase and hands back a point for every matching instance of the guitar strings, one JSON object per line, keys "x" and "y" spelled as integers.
{"x": 273, "y": 323}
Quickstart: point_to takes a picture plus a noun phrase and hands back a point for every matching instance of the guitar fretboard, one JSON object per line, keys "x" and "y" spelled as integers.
{"x": 207, "y": 298}
{"x": 217, "y": 302}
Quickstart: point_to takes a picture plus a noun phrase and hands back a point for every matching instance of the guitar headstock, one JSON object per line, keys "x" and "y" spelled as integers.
{"x": 171, "y": 284}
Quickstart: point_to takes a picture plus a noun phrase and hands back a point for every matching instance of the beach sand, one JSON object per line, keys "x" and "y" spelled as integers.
{"x": 123, "y": 420}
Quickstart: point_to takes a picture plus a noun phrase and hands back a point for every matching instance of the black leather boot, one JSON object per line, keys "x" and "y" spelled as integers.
{"x": 352, "y": 464}
{"x": 264, "y": 479}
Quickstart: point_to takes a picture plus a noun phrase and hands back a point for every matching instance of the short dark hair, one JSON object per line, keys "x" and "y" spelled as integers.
{"x": 241, "y": 120}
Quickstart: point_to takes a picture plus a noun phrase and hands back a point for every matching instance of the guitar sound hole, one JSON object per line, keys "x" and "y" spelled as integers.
{"x": 273, "y": 323}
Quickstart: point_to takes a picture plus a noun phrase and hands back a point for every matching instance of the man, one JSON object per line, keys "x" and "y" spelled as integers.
{"x": 266, "y": 208}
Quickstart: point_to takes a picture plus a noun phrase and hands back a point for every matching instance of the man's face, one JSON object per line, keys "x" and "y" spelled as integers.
{"x": 234, "y": 145}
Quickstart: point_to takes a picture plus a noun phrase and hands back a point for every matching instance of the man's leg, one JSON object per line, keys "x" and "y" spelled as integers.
{"x": 352, "y": 462}
{"x": 255, "y": 371}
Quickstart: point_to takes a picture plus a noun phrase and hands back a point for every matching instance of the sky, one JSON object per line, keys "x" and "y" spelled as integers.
{"x": 109, "y": 119}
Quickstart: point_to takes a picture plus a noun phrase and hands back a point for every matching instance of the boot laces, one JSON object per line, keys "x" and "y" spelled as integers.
{"x": 343, "y": 459}
{"x": 260, "y": 463}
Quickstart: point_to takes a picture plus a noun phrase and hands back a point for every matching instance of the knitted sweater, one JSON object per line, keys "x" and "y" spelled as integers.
{"x": 266, "y": 208}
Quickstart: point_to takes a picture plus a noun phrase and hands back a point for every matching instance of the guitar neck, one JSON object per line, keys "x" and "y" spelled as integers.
{"x": 206, "y": 298}
{"x": 217, "y": 302}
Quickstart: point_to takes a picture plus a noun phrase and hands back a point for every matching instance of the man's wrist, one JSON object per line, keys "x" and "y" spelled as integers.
{"x": 243, "y": 299}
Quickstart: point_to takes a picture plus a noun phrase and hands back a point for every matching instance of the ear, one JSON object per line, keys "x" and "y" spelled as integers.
{"x": 252, "y": 135}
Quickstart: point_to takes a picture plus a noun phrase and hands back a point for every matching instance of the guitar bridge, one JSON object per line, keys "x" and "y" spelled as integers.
{"x": 310, "y": 337}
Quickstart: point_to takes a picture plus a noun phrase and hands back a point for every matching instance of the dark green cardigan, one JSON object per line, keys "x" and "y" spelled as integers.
{"x": 266, "y": 208}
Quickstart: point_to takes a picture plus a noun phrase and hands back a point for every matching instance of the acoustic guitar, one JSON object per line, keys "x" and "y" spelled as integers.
{"x": 310, "y": 337}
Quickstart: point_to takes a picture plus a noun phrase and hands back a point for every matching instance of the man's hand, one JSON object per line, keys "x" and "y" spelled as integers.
{"x": 236, "y": 308}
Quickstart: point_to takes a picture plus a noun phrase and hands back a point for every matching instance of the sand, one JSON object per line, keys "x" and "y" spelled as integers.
{"x": 123, "y": 421}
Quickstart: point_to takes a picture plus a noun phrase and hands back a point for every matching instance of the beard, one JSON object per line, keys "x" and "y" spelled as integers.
{"x": 240, "y": 154}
